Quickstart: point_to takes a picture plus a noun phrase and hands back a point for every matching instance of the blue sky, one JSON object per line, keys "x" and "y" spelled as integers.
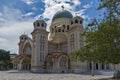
{"x": 17, "y": 16}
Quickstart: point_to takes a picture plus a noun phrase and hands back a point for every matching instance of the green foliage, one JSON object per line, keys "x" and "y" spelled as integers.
{"x": 112, "y": 8}
{"x": 103, "y": 38}
{"x": 4, "y": 60}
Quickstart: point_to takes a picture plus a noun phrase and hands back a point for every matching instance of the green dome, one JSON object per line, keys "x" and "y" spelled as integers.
{"x": 62, "y": 14}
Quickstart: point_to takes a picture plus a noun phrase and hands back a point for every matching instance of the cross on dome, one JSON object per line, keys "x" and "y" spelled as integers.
{"x": 62, "y": 7}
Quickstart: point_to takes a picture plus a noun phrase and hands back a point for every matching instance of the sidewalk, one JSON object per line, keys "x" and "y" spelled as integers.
{"x": 25, "y": 75}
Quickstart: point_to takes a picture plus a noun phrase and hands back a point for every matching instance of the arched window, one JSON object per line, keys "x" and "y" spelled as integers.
{"x": 80, "y": 22}
{"x": 90, "y": 66}
{"x": 63, "y": 30}
{"x": 59, "y": 30}
{"x": 67, "y": 27}
{"x": 107, "y": 66}
{"x": 42, "y": 25}
{"x": 64, "y": 26}
{"x": 41, "y": 52}
{"x": 71, "y": 22}
{"x": 96, "y": 66}
{"x": 41, "y": 38}
{"x": 63, "y": 63}
{"x": 71, "y": 37}
{"x": 38, "y": 24}
{"x": 76, "y": 21}
{"x": 72, "y": 47}
{"x": 102, "y": 66}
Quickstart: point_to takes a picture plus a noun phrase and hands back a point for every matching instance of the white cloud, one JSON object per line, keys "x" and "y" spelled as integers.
{"x": 52, "y": 6}
{"x": 1, "y": 20}
{"x": 28, "y": 14}
{"x": 80, "y": 12}
{"x": 9, "y": 14}
{"x": 9, "y": 34}
{"x": 12, "y": 27}
{"x": 2, "y": 40}
{"x": 88, "y": 5}
{"x": 34, "y": 8}
{"x": 76, "y": 2}
{"x": 28, "y": 1}
{"x": 0, "y": 14}
{"x": 13, "y": 24}
{"x": 50, "y": 11}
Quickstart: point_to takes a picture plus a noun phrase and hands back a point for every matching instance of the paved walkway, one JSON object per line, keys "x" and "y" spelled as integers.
{"x": 15, "y": 75}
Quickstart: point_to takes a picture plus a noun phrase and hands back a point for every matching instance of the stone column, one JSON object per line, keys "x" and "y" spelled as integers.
{"x": 105, "y": 66}
{"x": 13, "y": 66}
{"x": 58, "y": 65}
{"x": 92, "y": 66}
{"x": 99, "y": 68}
{"x": 20, "y": 66}
{"x": 27, "y": 66}
{"x": 16, "y": 66}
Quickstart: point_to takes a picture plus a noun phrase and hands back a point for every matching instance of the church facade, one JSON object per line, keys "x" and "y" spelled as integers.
{"x": 40, "y": 54}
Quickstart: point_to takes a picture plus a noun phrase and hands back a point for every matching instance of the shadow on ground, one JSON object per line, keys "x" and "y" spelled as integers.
{"x": 18, "y": 71}
{"x": 107, "y": 79}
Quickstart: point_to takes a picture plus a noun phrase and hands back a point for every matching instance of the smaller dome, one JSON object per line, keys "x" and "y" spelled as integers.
{"x": 23, "y": 35}
{"x": 78, "y": 17}
{"x": 39, "y": 21}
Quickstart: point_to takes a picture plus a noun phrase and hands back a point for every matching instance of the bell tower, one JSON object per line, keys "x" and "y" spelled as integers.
{"x": 22, "y": 39}
{"x": 75, "y": 39}
{"x": 40, "y": 46}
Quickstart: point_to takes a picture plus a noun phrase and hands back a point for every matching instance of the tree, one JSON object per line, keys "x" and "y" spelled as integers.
{"x": 103, "y": 38}
{"x": 5, "y": 62}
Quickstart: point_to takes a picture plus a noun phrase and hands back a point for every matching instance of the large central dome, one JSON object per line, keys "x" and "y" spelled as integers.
{"x": 62, "y": 14}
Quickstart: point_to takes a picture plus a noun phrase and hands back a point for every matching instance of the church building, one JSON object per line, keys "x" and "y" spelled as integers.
{"x": 51, "y": 55}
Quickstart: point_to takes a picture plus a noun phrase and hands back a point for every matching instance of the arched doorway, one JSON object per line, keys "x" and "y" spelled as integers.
{"x": 25, "y": 63}
{"x": 94, "y": 66}
{"x": 63, "y": 63}
{"x": 57, "y": 62}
